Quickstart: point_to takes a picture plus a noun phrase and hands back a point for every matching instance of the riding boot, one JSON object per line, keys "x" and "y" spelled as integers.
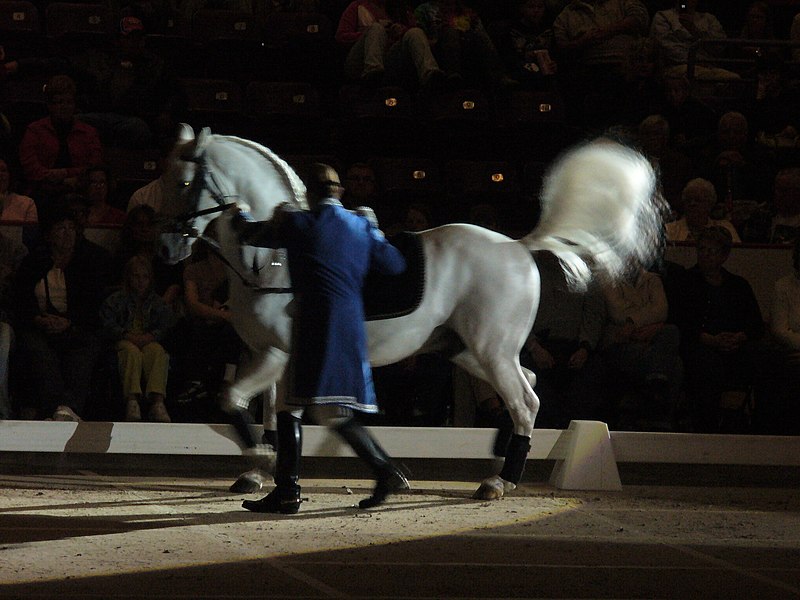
{"x": 388, "y": 476}
{"x": 285, "y": 498}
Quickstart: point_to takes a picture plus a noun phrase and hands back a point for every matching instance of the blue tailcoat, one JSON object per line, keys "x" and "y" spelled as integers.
{"x": 330, "y": 251}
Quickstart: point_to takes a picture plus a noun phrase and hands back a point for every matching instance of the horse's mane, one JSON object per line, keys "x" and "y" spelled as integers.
{"x": 294, "y": 183}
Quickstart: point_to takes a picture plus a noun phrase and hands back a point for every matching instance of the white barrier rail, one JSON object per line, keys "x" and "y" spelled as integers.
{"x": 586, "y": 454}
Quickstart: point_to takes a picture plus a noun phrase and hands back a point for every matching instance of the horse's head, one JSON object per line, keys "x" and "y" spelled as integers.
{"x": 208, "y": 173}
{"x": 192, "y": 196}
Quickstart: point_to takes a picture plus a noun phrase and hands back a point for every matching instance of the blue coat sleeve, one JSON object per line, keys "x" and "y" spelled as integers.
{"x": 385, "y": 258}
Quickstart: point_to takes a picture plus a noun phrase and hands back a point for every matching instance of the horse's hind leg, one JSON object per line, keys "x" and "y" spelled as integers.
{"x": 515, "y": 385}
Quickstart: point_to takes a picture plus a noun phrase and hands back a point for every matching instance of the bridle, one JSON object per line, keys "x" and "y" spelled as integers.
{"x": 183, "y": 224}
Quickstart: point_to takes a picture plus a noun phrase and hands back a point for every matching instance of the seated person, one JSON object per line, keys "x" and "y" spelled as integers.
{"x": 562, "y": 350}
{"x": 698, "y": 198}
{"x": 206, "y": 348}
{"x": 642, "y": 346}
{"x": 11, "y": 254}
{"x": 58, "y": 293}
{"x": 56, "y": 150}
{"x": 97, "y": 184}
{"x": 384, "y": 45}
{"x": 722, "y": 334}
{"x": 461, "y": 45}
{"x": 525, "y": 45}
{"x": 136, "y": 319}
{"x": 677, "y": 29}
{"x": 673, "y": 166}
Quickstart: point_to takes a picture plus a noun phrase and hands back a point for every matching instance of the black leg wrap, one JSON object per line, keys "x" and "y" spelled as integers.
{"x": 503, "y": 436}
{"x": 270, "y": 436}
{"x": 388, "y": 476}
{"x": 516, "y": 455}
{"x": 241, "y": 421}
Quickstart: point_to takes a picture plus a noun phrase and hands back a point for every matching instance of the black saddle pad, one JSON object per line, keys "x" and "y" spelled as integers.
{"x": 392, "y": 296}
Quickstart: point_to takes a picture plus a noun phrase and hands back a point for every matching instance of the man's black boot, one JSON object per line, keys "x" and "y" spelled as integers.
{"x": 285, "y": 498}
{"x": 388, "y": 476}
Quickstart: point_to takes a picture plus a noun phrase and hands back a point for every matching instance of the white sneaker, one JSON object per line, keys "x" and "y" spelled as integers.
{"x": 65, "y": 413}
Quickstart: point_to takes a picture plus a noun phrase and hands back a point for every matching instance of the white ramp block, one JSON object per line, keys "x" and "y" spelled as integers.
{"x": 588, "y": 462}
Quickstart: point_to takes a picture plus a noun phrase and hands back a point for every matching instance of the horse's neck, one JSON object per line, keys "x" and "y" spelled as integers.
{"x": 256, "y": 178}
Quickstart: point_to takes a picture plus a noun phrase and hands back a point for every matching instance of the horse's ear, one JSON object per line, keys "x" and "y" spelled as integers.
{"x": 202, "y": 140}
{"x": 185, "y": 133}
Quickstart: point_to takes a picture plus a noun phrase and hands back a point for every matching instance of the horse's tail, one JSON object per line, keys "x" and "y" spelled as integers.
{"x": 599, "y": 209}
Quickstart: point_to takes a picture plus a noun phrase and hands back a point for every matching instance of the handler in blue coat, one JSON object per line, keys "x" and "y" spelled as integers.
{"x": 330, "y": 252}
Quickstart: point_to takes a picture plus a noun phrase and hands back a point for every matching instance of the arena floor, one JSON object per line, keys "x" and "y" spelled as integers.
{"x": 80, "y": 533}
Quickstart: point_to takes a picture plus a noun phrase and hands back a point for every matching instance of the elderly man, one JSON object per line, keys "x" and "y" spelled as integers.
{"x": 330, "y": 252}
{"x": 697, "y": 199}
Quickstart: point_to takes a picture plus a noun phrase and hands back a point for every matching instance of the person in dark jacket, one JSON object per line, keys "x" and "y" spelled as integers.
{"x": 330, "y": 252}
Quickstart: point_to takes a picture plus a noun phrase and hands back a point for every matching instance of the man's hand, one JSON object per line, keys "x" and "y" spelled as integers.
{"x": 368, "y": 214}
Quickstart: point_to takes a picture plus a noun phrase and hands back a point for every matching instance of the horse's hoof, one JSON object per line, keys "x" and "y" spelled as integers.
{"x": 247, "y": 483}
{"x": 490, "y": 489}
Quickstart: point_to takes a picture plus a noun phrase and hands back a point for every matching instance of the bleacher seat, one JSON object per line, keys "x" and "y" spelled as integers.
{"x": 458, "y": 124}
{"x": 214, "y": 103}
{"x": 300, "y": 47}
{"x": 228, "y": 44}
{"x": 470, "y": 182}
{"x": 531, "y": 125}
{"x": 72, "y": 26}
{"x": 286, "y": 116}
{"x": 20, "y": 29}
{"x": 382, "y": 121}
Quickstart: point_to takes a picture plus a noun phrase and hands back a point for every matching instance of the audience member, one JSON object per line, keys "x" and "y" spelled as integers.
{"x": 11, "y": 254}
{"x": 775, "y": 111}
{"x": 698, "y": 199}
{"x": 57, "y": 149}
{"x": 672, "y": 165}
{"x": 740, "y": 169}
{"x": 384, "y": 44}
{"x": 136, "y": 319}
{"x": 207, "y": 348}
{"x": 721, "y": 333}
{"x": 98, "y": 183}
{"x": 152, "y": 194}
{"x": 14, "y": 207}
{"x": 58, "y": 294}
{"x": 596, "y": 41}
{"x": 780, "y": 222}
{"x": 758, "y": 27}
{"x": 461, "y": 45}
{"x": 525, "y": 45}
{"x": 785, "y": 328}
{"x": 643, "y": 347}
{"x": 360, "y": 187}
{"x": 677, "y": 29}
{"x": 128, "y": 93}
{"x": 139, "y": 237}
{"x": 562, "y": 350}
{"x": 794, "y": 36}
{"x": 691, "y": 121}
{"x": 416, "y": 390}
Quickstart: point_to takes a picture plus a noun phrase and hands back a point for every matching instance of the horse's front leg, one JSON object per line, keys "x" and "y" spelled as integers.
{"x": 258, "y": 376}
{"x": 513, "y": 441}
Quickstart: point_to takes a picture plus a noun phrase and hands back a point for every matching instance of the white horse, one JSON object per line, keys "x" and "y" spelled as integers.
{"x": 599, "y": 211}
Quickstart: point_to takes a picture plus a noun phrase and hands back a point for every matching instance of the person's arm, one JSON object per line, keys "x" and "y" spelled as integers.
{"x": 196, "y": 308}
{"x": 779, "y": 316}
{"x": 263, "y": 234}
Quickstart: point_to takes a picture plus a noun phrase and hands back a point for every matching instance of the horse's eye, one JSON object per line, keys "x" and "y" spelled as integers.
{"x": 187, "y": 183}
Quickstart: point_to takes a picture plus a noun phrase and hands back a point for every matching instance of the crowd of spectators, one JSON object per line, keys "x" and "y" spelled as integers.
{"x": 719, "y": 121}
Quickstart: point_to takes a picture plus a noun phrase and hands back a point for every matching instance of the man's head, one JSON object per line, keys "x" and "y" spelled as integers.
{"x": 713, "y": 247}
{"x": 323, "y": 183}
{"x": 60, "y": 98}
{"x": 360, "y": 184}
{"x": 732, "y": 130}
{"x": 131, "y": 35}
{"x": 698, "y": 198}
